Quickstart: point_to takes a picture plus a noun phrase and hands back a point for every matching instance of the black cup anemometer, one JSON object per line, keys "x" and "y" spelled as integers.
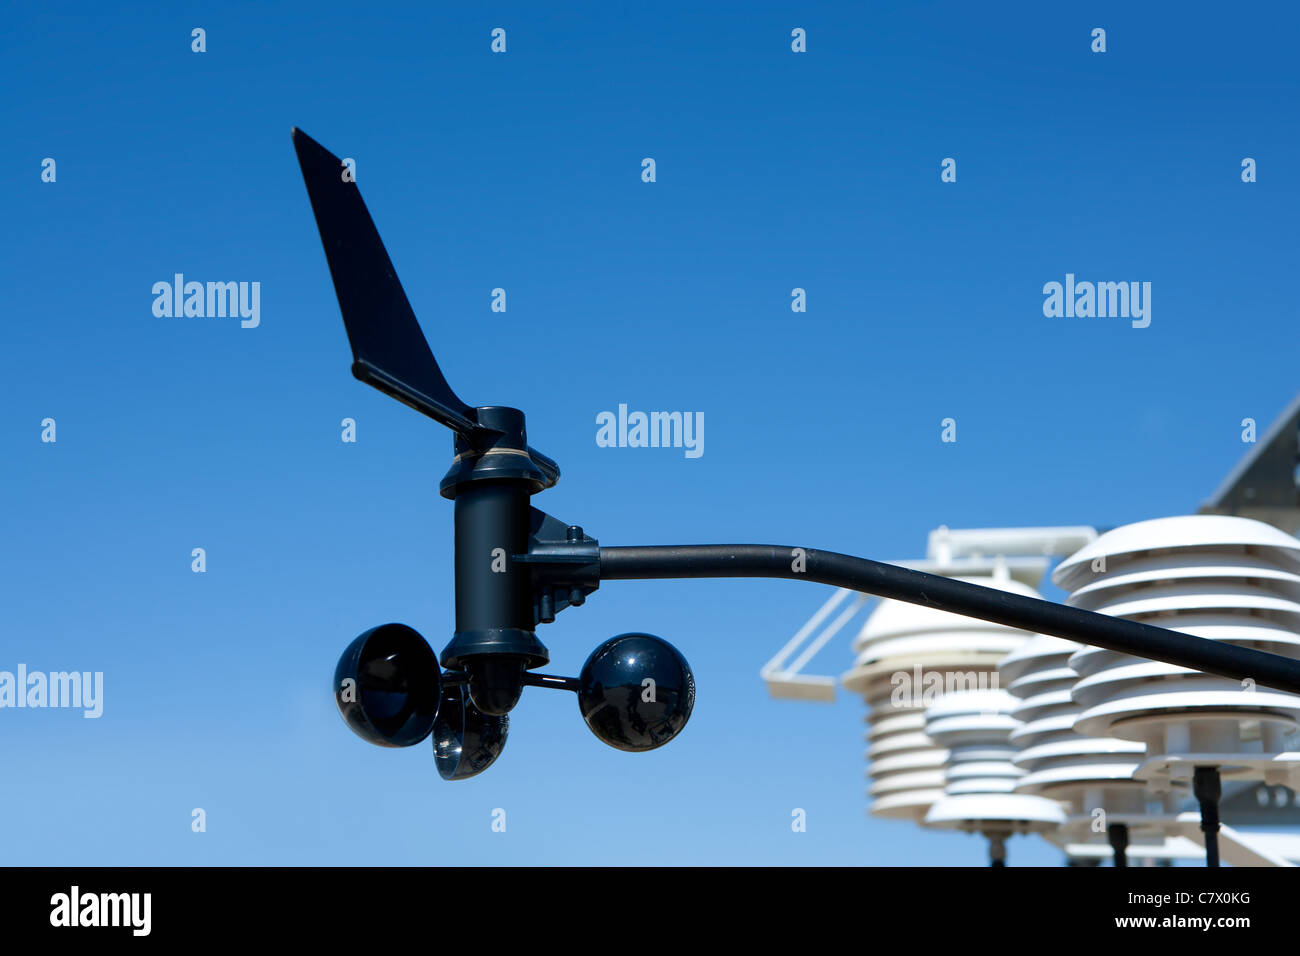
{"x": 517, "y": 567}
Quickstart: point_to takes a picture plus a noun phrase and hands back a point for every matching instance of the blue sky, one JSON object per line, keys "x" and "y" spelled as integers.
{"x": 522, "y": 170}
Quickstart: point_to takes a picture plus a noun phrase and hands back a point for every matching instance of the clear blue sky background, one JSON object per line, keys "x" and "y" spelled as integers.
{"x": 522, "y": 170}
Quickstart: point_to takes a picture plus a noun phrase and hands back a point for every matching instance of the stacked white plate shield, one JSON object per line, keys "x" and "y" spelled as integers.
{"x": 1092, "y": 777}
{"x": 908, "y": 656}
{"x": 980, "y": 780}
{"x": 1225, "y": 578}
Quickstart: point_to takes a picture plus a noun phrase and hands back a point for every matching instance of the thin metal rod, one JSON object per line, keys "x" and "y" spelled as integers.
{"x": 1118, "y": 835}
{"x": 997, "y": 849}
{"x": 1207, "y": 790}
{"x": 532, "y": 679}
{"x": 948, "y": 594}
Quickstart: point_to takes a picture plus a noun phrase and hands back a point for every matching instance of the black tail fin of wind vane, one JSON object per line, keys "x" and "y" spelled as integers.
{"x": 389, "y": 350}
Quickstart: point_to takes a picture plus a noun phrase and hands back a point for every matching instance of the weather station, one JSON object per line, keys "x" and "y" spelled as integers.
{"x": 517, "y": 568}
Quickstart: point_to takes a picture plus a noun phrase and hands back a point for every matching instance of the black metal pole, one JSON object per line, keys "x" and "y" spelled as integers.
{"x": 997, "y": 849}
{"x": 1118, "y": 835}
{"x": 1207, "y": 790}
{"x": 948, "y": 594}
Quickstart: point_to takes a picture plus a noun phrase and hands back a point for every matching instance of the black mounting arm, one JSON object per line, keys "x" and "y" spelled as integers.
{"x": 959, "y": 597}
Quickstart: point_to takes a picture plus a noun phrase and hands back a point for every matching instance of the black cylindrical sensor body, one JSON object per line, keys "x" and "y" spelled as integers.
{"x": 491, "y": 481}
{"x": 492, "y": 593}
